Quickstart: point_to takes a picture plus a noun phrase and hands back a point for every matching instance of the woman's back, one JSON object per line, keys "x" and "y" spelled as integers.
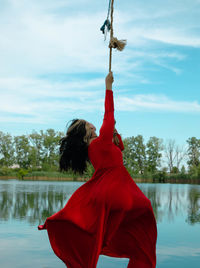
{"x": 104, "y": 155}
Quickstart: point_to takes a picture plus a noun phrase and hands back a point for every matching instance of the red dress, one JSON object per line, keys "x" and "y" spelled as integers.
{"x": 108, "y": 214}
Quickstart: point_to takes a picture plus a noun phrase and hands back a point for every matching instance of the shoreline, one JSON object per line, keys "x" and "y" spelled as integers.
{"x": 137, "y": 180}
{"x": 42, "y": 178}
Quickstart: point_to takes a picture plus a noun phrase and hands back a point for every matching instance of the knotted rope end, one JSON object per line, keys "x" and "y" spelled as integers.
{"x": 118, "y": 44}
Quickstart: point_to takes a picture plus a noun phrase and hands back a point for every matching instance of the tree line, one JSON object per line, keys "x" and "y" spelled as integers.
{"x": 39, "y": 151}
{"x": 162, "y": 159}
{"x": 35, "y": 151}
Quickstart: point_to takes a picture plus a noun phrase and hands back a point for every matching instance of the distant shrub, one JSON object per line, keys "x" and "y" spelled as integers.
{"x": 22, "y": 173}
{"x": 5, "y": 171}
{"x": 174, "y": 170}
{"x": 195, "y": 172}
{"x": 49, "y": 174}
{"x": 159, "y": 176}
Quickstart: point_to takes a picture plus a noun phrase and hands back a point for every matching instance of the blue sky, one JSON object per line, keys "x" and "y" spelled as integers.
{"x": 53, "y": 61}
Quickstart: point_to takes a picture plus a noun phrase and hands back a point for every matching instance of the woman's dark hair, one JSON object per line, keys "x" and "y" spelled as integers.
{"x": 74, "y": 147}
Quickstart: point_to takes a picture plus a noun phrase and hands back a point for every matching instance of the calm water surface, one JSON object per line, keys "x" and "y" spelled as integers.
{"x": 24, "y": 205}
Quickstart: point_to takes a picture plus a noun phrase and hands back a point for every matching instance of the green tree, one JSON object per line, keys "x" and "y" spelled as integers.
{"x": 193, "y": 152}
{"x": 183, "y": 171}
{"x": 36, "y": 149}
{"x": 50, "y": 148}
{"x": 6, "y": 150}
{"x": 22, "y": 173}
{"x": 22, "y": 150}
{"x": 153, "y": 154}
{"x": 127, "y": 153}
{"x": 175, "y": 170}
{"x": 194, "y": 172}
{"x": 134, "y": 154}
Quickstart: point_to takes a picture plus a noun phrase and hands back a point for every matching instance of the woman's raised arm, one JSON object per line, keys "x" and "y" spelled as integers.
{"x": 109, "y": 80}
{"x": 106, "y": 131}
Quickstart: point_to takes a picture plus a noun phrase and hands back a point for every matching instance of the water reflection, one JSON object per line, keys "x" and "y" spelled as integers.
{"x": 35, "y": 201}
{"x": 194, "y": 206}
{"x": 32, "y": 201}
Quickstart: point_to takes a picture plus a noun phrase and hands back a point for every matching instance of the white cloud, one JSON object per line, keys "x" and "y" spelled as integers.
{"x": 40, "y": 38}
{"x": 37, "y": 100}
{"x": 155, "y": 103}
{"x": 37, "y": 37}
{"x": 173, "y": 36}
{"x": 180, "y": 251}
{"x": 29, "y": 100}
{"x": 43, "y": 42}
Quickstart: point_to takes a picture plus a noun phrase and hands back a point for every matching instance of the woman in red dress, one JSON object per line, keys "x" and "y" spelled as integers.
{"x": 109, "y": 214}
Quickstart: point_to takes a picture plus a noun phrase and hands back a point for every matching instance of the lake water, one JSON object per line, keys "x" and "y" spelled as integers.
{"x": 25, "y": 204}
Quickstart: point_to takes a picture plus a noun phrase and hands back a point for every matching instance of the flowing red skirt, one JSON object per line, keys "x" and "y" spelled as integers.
{"x": 107, "y": 215}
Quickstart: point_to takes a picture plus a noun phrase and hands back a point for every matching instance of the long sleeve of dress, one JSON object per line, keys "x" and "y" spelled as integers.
{"x": 107, "y": 128}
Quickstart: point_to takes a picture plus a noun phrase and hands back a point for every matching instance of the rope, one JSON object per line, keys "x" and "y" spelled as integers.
{"x": 111, "y": 35}
{"x": 108, "y": 26}
{"x": 109, "y": 6}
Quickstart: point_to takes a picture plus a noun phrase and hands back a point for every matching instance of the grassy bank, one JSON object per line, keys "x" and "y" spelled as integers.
{"x": 39, "y": 175}
{"x": 42, "y": 178}
{"x": 79, "y": 179}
